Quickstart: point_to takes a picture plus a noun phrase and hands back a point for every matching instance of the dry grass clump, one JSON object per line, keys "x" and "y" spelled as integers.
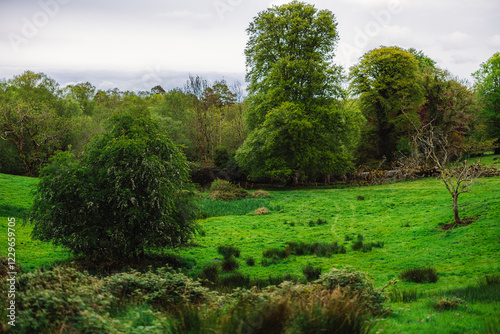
{"x": 260, "y": 193}
{"x": 226, "y": 191}
{"x": 262, "y": 211}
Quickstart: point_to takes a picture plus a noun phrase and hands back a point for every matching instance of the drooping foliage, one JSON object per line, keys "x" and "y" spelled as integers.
{"x": 127, "y": 193}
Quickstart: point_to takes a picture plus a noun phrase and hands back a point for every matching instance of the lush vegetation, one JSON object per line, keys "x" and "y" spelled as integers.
{"x": 126, "y": 194}
{"x": 405, "y": 216}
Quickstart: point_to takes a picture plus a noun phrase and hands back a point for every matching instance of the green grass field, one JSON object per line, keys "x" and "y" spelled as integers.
{"x": 404, "y": 216}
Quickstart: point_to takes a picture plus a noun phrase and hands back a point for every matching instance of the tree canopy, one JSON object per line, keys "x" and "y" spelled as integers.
{"x": 488, "y": 85}
{"x": 387, "y": 82}
{"x": 124, "y": 195}
{"x": 292, "y": 115}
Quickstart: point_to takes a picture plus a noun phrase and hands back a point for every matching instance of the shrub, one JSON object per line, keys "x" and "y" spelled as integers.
{"x": 284, "y": 308}
{"x": 227, "y": 251}
{"x": 226, "y": 191}
{"x": 229, "y": 264}
{"x": 492, "y": 280}
{"x": 311, "y": 273}
{"x": 126, "y": 184}
{"x": 234, "y": 280}
{"x": 420, "y": 275}
{"x": 177, "y": 261}
{"x": 358, "y": 245}
{"x": 266, "y": 262}
{"x": 321, "y": 222}
{"x": 261, "y": 211}
{"x": 276, "y": 252}
{"x": 250, "y": 261}
{"x": 164, "y": 289}
{"x": 354, "y": 283}
{"x": 334, "y": 312}
{"x": 256, "y": 317}
{"x": 260, "y": 193}
{"x": 211, "y": 273}
{"x": 318, "y": 222}
{"x": 62, "y": 298}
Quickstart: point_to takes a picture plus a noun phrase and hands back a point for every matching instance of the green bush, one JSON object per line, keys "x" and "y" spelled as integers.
{"x": 250, "y": 261}
{"x": 227, "y": 251}
{"x": 420, "y": 275}
{"x": 322, "y": 249}
{"x": 229, "y": 264}
{"x": 283, "y": 308}
{"x": 164, "y": 289}
{"x": 266, "y": 262}
{"x": 62, "y": 299}
{"x": 123, "y": 196}
{"x": 226, "y": 191}
{"x": 318, "y": 222}
{"x": 276, "y": 252}
{"x": 311, "y": 273}
{"x": 211, "y": 272}
{"x": 354, "y": 283}
{"x": 359, "y": 245}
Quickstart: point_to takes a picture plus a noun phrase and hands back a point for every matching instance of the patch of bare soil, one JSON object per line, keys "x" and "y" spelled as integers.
{"x": 463, "y": 222}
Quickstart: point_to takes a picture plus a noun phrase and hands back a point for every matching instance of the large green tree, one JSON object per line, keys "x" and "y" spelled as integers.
{"x": 292, "y": 114}
{"x": 387, "y": 82}
{"x": 31, "y": 119}
{"x": 488, "y": 86}
{"x": 124, "y": 195}
{"x": 450, "y": 105}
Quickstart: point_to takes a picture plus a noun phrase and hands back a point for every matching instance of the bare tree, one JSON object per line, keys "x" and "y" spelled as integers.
{"x": 432, "y": 146}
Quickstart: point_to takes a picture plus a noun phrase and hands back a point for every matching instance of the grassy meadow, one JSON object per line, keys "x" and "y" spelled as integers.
{"x": 403, "y": 218}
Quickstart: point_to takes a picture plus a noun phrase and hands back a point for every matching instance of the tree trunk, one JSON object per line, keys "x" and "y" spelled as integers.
{"x": 497, "y": 150}
{"x": 455, "y": 209}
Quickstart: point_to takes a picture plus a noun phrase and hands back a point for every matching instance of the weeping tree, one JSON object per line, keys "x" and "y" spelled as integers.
{"x": 126, "y": 194}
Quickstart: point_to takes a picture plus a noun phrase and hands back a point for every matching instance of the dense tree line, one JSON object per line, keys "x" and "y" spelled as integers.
{"x": 114, "y": 166}
{"x": 38, "y": 117}
{"x": 302, "y": 119}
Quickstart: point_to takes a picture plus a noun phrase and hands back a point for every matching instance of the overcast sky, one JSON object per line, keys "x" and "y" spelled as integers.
{"x": 135, "y": 45}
